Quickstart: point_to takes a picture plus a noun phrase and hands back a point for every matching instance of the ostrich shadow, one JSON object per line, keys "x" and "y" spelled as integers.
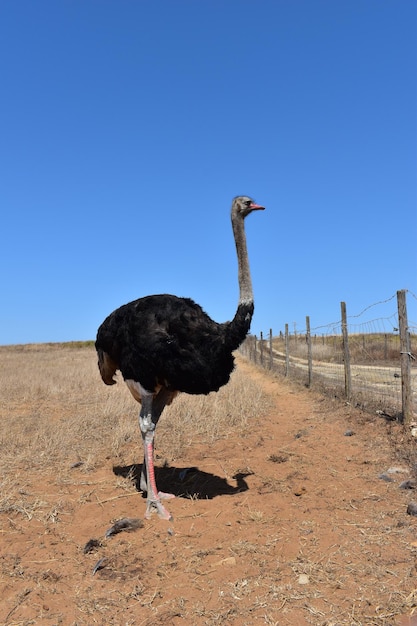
{"x": 187, "y": 482}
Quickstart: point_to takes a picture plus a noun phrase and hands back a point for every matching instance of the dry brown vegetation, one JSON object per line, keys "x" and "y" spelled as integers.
{"x": 63, "y": 416}
{"x": 364, "y": 348}
{"x": 280, "y": 517}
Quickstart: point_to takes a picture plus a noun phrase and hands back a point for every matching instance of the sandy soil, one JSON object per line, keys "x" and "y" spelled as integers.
{"x": 290, "y": 524}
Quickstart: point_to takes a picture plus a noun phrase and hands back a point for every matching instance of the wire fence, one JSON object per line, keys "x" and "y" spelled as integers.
{"x": 372, "y": 363}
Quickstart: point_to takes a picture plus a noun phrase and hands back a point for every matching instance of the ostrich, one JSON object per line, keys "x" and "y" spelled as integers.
{"x": 163, "y": 344}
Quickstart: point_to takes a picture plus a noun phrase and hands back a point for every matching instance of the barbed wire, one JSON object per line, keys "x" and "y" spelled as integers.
{"x": 390, "y": 320}
{"x": 334, "y": 327}
{"x": 372, "y": 305}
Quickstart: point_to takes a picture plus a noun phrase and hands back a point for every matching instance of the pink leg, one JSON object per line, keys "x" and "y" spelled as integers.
{"x": 151, "y": 410}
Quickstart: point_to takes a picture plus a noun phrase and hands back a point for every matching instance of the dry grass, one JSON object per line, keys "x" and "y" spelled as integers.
{"x": 364, "y": 348}
{"x": 315, "y": 538}
{"x": 62, "y": 414}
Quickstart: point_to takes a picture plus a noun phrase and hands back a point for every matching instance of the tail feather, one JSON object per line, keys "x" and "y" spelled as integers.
{"x": 107, "y": 367}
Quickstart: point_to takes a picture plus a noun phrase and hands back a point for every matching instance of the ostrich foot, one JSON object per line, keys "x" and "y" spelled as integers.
{"x": 161, "y": 494}
{"x": 156, "y": 506}
{"x": 165, "y": 496}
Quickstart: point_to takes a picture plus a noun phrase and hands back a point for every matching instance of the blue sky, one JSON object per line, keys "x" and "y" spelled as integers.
{"x": 128, "y": 126}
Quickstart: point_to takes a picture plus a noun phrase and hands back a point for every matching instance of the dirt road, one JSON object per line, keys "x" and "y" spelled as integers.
{"x": 290, "y": 524}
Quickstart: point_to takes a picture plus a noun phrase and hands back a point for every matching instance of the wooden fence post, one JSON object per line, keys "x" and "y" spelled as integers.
{"x": 287, "y": 351}
{"x": 262, "y": 349}
{"x": 346, "y": 354}
{"x": 271, "y": 358}
{"x": 309, "y": 353}
{"x": 405, "y": 353}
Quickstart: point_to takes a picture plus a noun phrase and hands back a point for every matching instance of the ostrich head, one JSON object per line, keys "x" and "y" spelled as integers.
{"x": 243, "y": 205}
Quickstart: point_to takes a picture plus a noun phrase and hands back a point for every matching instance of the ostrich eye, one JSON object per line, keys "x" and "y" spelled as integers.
{"x": 248, "y": 203}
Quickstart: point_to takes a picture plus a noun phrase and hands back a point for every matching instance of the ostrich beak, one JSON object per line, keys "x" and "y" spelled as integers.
{"x": 256, "y": 207}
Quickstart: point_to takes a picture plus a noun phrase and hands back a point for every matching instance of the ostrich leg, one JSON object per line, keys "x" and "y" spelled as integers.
{"x": 148, "y": 418}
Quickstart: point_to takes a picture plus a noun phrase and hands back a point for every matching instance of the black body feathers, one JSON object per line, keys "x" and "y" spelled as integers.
{"x": 170, "y": 341}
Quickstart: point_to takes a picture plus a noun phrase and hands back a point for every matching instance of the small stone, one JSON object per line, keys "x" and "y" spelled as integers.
{"x": 91, "y": 545}
{"x": 412, "y": 508}
{"x": 385, "y": 477}
{"x": 407, "y": 484}
{"x": 124, "y": 524}
{"x": 303, "y": 579}
{"x": 349, "y": 433}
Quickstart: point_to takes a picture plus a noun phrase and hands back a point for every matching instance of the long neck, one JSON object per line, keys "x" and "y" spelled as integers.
{"x": 245, "y": 282}
{"x": 239, "y": 327}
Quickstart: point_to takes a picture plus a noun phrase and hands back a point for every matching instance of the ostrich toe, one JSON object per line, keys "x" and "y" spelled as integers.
{"x": 157, "y": 507}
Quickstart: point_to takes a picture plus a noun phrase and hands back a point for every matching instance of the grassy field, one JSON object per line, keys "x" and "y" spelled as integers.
{"x": 56, "y": 412}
